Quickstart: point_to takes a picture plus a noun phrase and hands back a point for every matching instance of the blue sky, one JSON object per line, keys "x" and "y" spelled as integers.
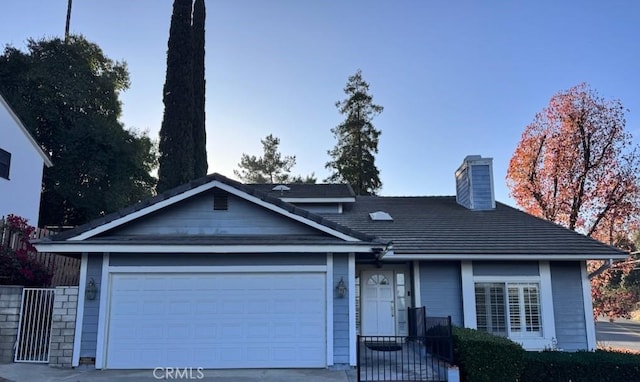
{"x": 455, "y": 77}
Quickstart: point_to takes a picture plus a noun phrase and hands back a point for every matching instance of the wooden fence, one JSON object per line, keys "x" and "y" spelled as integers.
{"x": 66, "y": 270}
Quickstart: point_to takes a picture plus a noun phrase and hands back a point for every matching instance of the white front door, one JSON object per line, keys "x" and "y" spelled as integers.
{"x": 378, "y": 308}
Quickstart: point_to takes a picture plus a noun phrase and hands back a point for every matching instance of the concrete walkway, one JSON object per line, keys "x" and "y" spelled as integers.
{"x": 24, "y": 372}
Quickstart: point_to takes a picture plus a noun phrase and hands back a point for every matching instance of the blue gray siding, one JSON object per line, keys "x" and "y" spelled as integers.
{"x": 568, "y": 305}
{"x": 441, "y": 290}
{"x": 474, "y": 184}
{"x": 237, "y": 259}
{"x": 463, "y": 195}
{"x": 481, "y": 187}
{"x": 320, "y": 208}
{"x": 506, "y": 268}
{"x": 195, "y": 216}
{"x": 91, "y": 308}
{"x": 340, "y": 312}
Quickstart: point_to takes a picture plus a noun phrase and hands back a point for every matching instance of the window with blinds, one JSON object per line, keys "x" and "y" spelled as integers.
{"x": 508, "y": 309}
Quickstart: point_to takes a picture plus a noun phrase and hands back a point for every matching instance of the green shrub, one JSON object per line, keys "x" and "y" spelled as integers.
{"x": 483, "y": 357}
{"x": 598, "y": 366}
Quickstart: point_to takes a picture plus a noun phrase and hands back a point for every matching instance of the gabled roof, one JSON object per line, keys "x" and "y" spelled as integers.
{"x": 98, "y": 226}
{"x": 45, "y": 157}
{"x": 438, "y": 227}
{"x": 422, "y": 227}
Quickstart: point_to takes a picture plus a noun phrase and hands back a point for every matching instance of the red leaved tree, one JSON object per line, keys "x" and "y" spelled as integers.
{"x": 576, "y": 165}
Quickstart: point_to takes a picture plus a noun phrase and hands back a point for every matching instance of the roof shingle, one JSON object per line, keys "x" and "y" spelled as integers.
{"x": 439, "y": 225}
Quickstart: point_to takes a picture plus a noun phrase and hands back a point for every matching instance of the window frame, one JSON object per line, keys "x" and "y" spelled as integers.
{"x": 5, "y": 162}
{"x": 497, "y": 315}
{"x": 548, "y": 340}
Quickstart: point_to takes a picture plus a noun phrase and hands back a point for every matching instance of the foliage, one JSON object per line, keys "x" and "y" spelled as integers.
{"x": 271, "y": 167}
{"x": 610, "y": 297}
{"x": 176, "y": 133}
{"x": 483, "y": 357}
{"x": 577, "y": 166}
{"x": 598, "y": 366}
{"x": 352, "y": 159}
{"x": 200, "y": 166}
{"x": 18, "y": 266}
{"x": 67, "y": 95}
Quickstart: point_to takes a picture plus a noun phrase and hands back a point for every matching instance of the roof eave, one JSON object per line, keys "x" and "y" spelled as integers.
{"x": 500, "y": 256}
{"x": 90, "y": 247}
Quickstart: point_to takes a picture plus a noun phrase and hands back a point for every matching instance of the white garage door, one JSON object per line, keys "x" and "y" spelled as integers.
{"x": 221, "y": 320}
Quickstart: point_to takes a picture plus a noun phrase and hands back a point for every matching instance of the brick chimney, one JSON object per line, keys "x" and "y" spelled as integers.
{"x": 474, "y": 183}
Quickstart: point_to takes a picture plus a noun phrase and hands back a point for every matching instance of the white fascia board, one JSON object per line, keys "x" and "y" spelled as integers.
{"x": 205, "y": 187}
{"x": 144, "y": 211}
{"x": 75, "y": 247}
{"x": 318, "y": 200}
{"x": 457, "y": 256}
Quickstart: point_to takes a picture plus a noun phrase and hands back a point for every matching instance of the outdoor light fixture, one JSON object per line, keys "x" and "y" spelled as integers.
{"x": 341, "y": 288}
{"x": 91, "y": 291}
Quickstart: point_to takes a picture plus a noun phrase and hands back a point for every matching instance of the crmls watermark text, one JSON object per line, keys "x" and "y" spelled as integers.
{"x": 178, "y": 373}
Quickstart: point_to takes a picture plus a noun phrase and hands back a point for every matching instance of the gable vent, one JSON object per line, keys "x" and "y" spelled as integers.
{"x": 220, "y": 200}
{"x": 380, "y": 216}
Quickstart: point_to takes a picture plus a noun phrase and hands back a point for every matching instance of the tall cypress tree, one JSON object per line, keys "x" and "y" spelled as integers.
{"x": 353, "y": 158}
{"x": 200, "y": 166}
{"x": 176, "y": 133}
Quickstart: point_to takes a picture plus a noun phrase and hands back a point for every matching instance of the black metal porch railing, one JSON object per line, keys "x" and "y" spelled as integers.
{"x": 399, "y": 358}
{"x": 437, "y": 330}
{"x": 439, "y": 337}
{"x": 424, "y": 355}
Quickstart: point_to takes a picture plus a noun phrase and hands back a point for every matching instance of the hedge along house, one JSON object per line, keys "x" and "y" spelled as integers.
{"x": 218, "y": 274}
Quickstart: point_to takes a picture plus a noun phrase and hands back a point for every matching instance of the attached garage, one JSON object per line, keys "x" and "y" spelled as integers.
{"x": 216, "y": 320}
{"x": 215, "y": 274}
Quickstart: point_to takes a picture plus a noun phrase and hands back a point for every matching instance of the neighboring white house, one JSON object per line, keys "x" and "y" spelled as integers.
{"x": 21, "y": 167}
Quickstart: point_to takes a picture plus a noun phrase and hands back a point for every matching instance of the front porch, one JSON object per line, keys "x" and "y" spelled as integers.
{"x": 423, "y": 356}
{"x": 395, "y": 341}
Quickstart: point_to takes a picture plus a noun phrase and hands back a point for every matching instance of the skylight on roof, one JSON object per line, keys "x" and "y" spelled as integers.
{"x": 281, "y": 187}
{"x": 380, "y": 216}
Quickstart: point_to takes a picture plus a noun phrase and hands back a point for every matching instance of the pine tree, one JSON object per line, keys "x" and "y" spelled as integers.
{"x": 200, "y": 166}
{"x": 269, "y": 168}
{"x": 176, "y": 134}
{"x": 353, "y": 158}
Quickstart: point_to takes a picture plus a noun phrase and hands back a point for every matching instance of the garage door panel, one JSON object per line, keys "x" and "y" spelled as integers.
{"x": 217, "y": 320}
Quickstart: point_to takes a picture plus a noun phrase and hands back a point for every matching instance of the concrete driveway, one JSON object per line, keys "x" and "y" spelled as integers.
{"x": 24, "y": 372}
{"x": 621, "y": 333}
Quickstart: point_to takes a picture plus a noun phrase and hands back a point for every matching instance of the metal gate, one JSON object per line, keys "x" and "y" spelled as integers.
{"x": 424, "y": 355}
{"x": 34, "y": 331}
